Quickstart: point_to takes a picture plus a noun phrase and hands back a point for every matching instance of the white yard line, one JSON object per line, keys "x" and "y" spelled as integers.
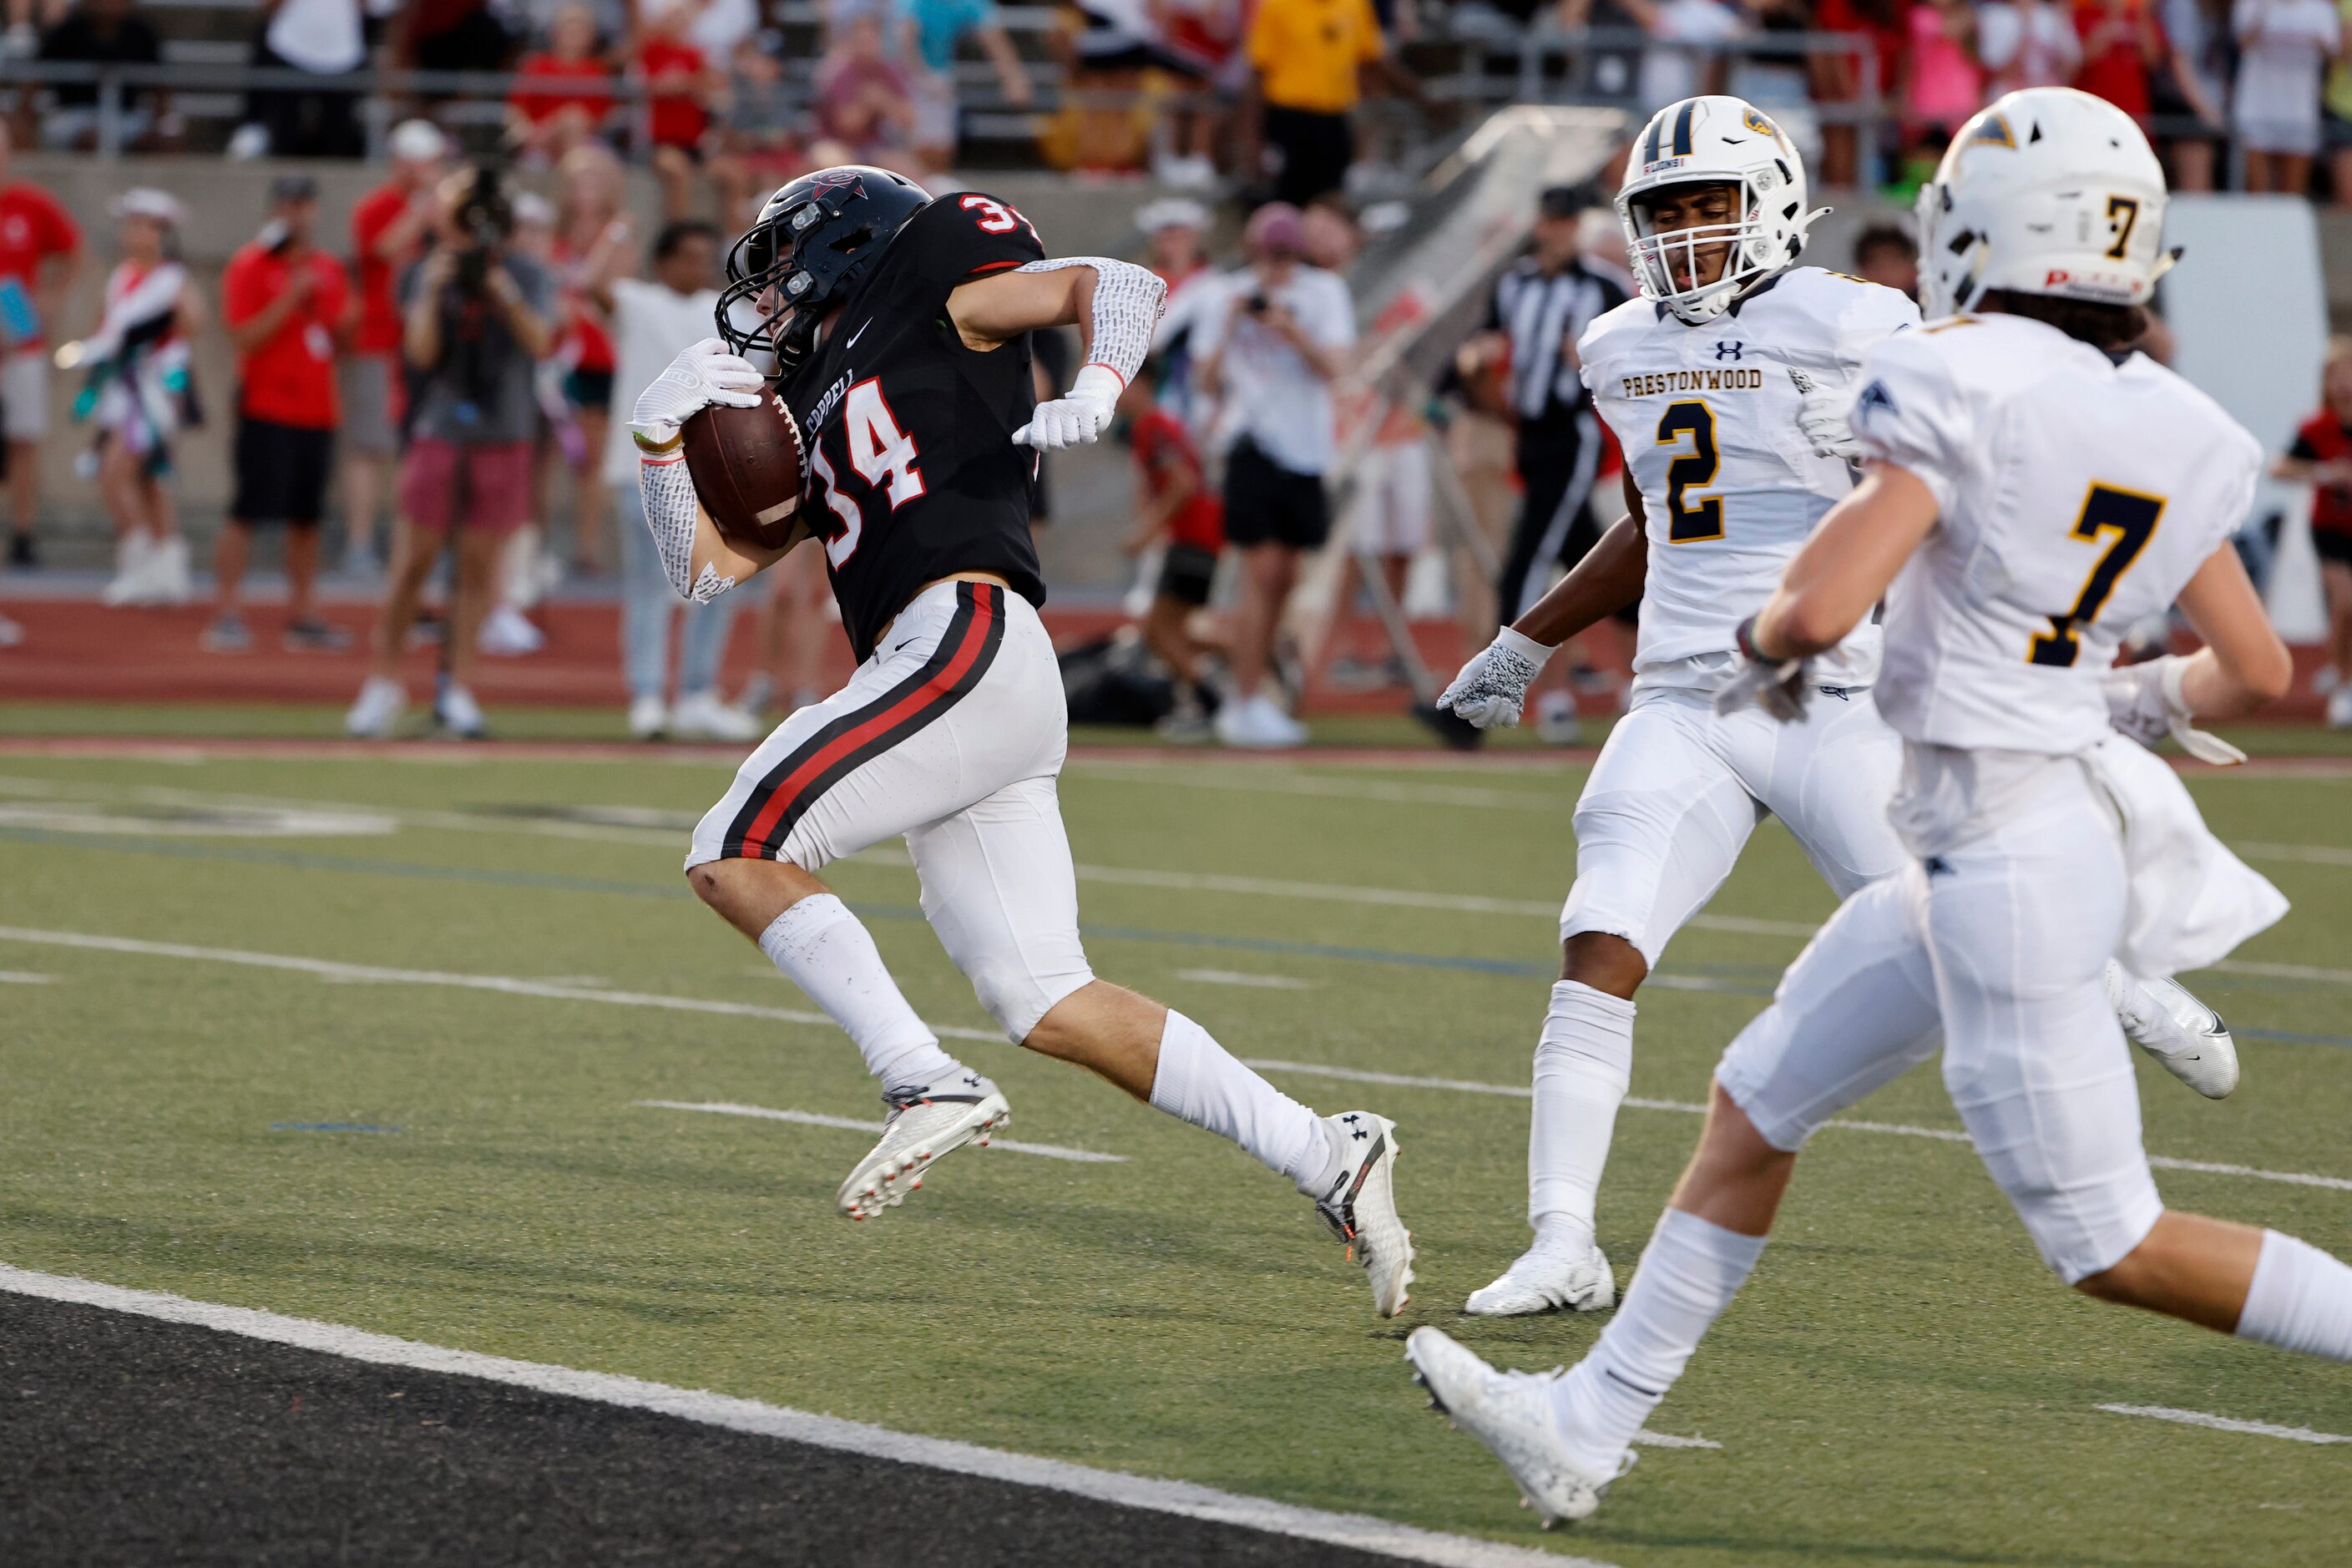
{"x": 2308, "y": 854}
{"x": 623, "y": 832}
{"x": 24, "y": 977}
{"x": 508, "y": 985}
{"x": 851, "y": 1124}
{"x": 1242, "y": 977}
{"x": 1891, "y": 1129}
{"x": 1360, "y": 1531}
{"x": 2224, "y": 1423}
{"x": 1648, "y": 1440}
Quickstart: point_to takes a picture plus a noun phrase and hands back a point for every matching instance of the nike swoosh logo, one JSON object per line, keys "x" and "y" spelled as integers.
{"x": 904, "y": 646}
{"x": 857, "y": 334}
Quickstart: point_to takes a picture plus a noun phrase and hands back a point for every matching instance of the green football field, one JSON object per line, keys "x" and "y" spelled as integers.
{"x": 372, "y": 1040}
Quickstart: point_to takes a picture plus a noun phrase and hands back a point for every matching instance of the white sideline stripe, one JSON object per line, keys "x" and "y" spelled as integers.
{"x": 1645, "y": 1439}
{"x": 2224, "y": 1423}
{"x": 851, "y": 1124}
{"x": 24, "y": 977}
{"x": 1362, "y": 1532}
{"x": 1892, "y": 1129}
{"x": 1116, "y": 876}
{"x": 508, "y": 985}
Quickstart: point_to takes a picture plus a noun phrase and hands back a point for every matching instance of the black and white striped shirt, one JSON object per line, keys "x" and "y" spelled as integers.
{"x": 1544, "y": 317}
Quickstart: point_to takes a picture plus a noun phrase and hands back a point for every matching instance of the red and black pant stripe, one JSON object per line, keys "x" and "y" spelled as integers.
{"x": 841, "y": 746}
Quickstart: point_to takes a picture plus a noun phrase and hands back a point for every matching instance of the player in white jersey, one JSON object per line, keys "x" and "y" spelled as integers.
{"x": 2031, "y": 489}
{"x": 1726, "y": 384}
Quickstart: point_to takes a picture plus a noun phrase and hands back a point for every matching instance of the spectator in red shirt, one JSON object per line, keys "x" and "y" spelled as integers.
{"x": 288, "y": 311}
{"x": 570, "y": 90}
{"x": 388, "y": 230}
{"x": 2321, "y": 458}
{"x": 40, "y": 257}
{"x": 592, "y": 241}
{"x": 2122, "y": 43}
{"x": 863, "y": 98}
{"x": 677, "y": 115}
{"x": 1180, "y": 509}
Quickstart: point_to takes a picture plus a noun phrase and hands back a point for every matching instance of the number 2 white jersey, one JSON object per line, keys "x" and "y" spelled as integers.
{"x": 1707, "y": 419}
{"x": 2075, "y": 495}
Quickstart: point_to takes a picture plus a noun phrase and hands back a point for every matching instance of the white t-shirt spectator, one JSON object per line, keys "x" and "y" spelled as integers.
{"x": 1670, "y": 74}
{"x": 2284, "y": 46}
{"x": 321, "y": 35}
{"x": 1270, "y": 396}
{"x": 2026, "y": 45}
{"x": 651, "y": 322}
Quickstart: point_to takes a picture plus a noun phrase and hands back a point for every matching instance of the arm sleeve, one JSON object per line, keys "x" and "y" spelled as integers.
{"x": 672, "y": 512}
{"x": 1127, "y": 305}
{"x": 1911, "y": 413}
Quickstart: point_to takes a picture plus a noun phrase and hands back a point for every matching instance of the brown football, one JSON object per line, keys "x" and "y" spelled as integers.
{"x": 747, "y": 465}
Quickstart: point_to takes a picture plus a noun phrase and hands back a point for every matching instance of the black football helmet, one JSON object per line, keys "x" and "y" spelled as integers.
{"x": 816, "y": 241}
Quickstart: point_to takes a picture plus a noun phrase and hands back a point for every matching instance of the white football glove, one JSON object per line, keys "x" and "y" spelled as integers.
{"x": 1824, "y": 418}
{"x": 2144, "y": 701}
{"x": 1779, "y": 687}
{"x": 1492, "y": 689}
{"x": 701, "y": 374}
{"x": 1077, "y": 419}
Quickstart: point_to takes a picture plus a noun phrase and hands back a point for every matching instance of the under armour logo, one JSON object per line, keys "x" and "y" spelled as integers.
{"x": 1874, "y": 399}
{"x": 1843, "y": 693}
{"x": 1937, "y": 866}
{"x": 1353, "y": 1117}
{"x": 1360, "y": 1133}
{"x": 1729, "y": 349}
{"x": 972, "y": 1081}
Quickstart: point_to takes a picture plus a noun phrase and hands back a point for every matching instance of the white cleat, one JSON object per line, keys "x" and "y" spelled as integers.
{"x": 372, "y": 717}
{"x": 1545, "y": 1280}
{"x": 1360, "y": 1208}
{"x": 1510, "y": 1412}
{"x": 924, "y": 1124}
{"x": 2187, "y": 1038}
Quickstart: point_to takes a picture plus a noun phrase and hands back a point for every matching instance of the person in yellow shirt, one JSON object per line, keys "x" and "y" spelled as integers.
{"x": 1308, "y": 57}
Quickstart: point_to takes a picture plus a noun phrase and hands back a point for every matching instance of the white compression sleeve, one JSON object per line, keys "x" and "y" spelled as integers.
{"x": 671, "y": 514}
{"x": 1128, "y": 299}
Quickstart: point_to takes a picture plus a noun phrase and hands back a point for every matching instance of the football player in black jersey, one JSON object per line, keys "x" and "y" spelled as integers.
{"x": 899, "y": 328}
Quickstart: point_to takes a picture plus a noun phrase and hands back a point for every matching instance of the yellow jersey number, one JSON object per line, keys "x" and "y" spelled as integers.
{"x": 2131, "y": 517}
{"x": 1690, "y": 521}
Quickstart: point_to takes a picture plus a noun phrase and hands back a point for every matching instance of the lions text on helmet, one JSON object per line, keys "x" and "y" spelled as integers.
{"x": 1713, "y": 205}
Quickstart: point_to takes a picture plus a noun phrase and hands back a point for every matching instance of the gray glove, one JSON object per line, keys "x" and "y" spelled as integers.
{"x": 1779, "y": 687}
{"x": 1492, "y": 688}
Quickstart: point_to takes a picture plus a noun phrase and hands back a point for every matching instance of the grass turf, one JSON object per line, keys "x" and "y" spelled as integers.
{"x": 1901, "y": 1381}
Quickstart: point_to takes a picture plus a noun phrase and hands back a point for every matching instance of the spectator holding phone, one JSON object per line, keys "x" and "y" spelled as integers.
{"x": 40, "y": 257}
{"x": 288, "y": 309}
{"x": 1280, "y": 339}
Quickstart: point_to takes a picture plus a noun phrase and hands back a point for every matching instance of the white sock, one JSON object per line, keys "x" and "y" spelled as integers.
{"x": 1199, "y": 1082}
{"x": 827, "y": 952}
{"x": 2300, "y": 1299}
{"x": 1584, "y": 1060}
{"x": 1688, "y": 1276}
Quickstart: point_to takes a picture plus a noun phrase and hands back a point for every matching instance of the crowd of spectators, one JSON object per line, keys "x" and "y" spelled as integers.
{"x": 726, "y": 98}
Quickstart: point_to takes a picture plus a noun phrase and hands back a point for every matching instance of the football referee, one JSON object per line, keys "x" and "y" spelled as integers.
{"x": 1541, "y": 305}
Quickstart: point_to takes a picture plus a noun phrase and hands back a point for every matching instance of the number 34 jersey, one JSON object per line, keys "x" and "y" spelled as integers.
{"x": 1707, "y": 419}
{"x": 913, "y": 475}
{"x": 2075, "y": 495}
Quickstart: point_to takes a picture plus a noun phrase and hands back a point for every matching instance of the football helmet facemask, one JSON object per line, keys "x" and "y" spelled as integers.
{"x": 815, "y": 242}
{"x": 1714, "y": 140}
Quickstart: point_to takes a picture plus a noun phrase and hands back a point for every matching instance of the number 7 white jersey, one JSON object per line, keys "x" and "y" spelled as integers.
{"x": 2076, "y": 495}
{"x": 1706, "y": 417}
